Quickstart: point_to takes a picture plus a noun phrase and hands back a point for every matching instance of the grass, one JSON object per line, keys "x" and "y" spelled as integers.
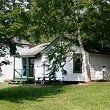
{"x": 95, "y": 96}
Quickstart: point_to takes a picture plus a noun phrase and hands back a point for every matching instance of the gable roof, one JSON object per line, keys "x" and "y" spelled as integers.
{"x": 34, "y": 51}
{"x": 42, "y": 48}
{"x": 89, "y": 46}
{"x": 21, "y": 41}
{"x": 96, "y": 47}
{"x": 56, "y": 40}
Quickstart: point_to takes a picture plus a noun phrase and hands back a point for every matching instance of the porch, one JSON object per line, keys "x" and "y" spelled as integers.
{"x": 19, "y": 75}
{"x": 26, "y": 73}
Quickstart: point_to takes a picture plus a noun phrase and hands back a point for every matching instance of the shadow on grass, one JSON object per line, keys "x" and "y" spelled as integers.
{"x": 19, "y": 93}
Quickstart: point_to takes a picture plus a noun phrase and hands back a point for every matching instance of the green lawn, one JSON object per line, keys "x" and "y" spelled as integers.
{"x": 95, "y": 96}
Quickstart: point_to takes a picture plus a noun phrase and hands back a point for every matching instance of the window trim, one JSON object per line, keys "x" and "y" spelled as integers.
{"x": 77, "y": 63}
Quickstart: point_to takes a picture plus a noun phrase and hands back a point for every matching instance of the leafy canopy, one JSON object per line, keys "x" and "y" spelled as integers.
{"x": 95, "y": 25}
{"x": 14, "y": 21}
{"x": 90, "y": 19}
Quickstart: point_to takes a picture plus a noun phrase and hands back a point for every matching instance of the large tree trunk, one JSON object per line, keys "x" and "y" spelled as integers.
{"x": 85, "y": 66}
{"x": 85, "y": 63}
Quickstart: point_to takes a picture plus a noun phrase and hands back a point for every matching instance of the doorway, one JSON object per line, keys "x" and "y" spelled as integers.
{"x": 28, "y": 66}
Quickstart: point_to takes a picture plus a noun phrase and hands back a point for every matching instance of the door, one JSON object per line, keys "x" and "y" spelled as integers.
{"x": 31, "y": 67}
{"x": 28, "y": 66}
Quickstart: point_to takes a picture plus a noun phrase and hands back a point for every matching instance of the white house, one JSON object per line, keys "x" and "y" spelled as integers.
{"x": 30, "y": 66}
{"x": 87, "y": 66}
{"x": 8, "y": 70}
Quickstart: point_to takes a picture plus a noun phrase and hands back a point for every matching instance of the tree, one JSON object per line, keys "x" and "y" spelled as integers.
{"x": 96, "y": 23}
{"x": 78, "y": 19}
{"x": 13, "y": 24}
{"x": 56, "y": 55}
{"x": 52, "y": 18}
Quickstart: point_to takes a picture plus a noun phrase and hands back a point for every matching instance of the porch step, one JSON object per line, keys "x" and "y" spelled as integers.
{"x": 21, "y": 82}
{"x": 20, "y": 79}
{"x": 13, "y": 82}
{"x": 48, "y": 82}
{"x": 24, "y": 79}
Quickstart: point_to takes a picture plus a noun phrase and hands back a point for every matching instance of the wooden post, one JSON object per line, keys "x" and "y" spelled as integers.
{"x": 14, "y": 68}
{"x": 27, "y": 68}
{"x": 103, "y": 71}
{"x": 43, "y": 81}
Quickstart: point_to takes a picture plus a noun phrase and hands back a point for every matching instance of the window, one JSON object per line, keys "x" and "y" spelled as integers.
{"x": 77, "y": 64}
{"x": 24, "y": 61}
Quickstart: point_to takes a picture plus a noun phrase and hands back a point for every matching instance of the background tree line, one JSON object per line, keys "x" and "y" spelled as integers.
{"x": 38, "y": 20}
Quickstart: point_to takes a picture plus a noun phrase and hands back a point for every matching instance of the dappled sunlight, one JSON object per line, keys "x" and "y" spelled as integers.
{"x": 19, "y": 93}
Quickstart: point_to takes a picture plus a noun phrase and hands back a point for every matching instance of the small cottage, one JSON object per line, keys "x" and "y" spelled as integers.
{"x": 30, "y": 66}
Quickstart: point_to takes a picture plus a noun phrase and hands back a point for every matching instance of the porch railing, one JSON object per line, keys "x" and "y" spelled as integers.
{"x": 20, "y": 73}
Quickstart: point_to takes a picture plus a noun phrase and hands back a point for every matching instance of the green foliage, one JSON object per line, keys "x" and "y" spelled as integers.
{"x": 48, "y": 19}
{"x": 14, "y": 21}
{"x": 57, "y": 54}
{"x": 96, "y": 23}
{"x": 52, "y": 18}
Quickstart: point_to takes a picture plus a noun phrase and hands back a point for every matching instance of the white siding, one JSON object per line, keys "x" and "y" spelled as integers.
{"x": 96, "y": 63}
{"x": 23, "y": 48}
{"x": 7, "y": 70}
{"x": 70, "y": 75}
{"x": 38, "y": 67}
